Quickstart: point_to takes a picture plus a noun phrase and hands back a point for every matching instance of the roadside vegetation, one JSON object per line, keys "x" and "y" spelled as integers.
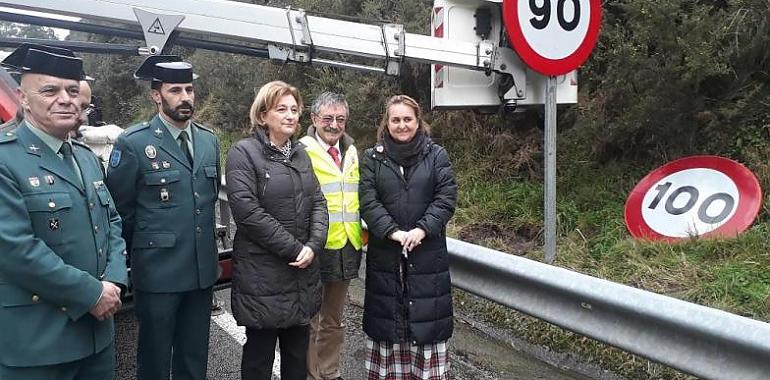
{"x": 668, "y": 78}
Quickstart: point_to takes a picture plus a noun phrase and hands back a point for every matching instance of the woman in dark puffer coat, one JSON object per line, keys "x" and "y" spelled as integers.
{"x": 408, "y": 194}
{"x": 281, "y": 223}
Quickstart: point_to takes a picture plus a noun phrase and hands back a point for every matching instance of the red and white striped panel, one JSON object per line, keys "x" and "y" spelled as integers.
{"x": 438, "y": 31}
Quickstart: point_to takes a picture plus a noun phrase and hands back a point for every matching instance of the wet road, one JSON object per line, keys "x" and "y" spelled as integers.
{"x": 475, "y": 356}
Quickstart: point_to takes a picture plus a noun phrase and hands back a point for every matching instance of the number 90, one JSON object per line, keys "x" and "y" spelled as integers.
{"x": 544, "y": 14}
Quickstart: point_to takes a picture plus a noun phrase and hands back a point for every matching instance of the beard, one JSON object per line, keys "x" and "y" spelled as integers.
{"x": 175, "y": 113}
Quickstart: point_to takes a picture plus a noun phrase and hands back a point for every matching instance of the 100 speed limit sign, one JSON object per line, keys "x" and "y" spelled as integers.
{"x": 553, "y": 37}
{"x": 693, "y": 196}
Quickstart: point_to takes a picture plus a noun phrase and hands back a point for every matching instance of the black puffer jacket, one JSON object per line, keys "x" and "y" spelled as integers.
{"x": 278, "y": 207}
{"x": 419, "y": 309}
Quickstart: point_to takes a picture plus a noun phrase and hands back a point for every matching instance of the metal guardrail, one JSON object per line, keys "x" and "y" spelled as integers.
{"x": 702, "y": 341}
{"x": 695, "y": 339}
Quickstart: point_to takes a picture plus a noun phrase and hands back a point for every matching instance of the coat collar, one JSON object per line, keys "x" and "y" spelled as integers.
{"x": 47, "y": 158}
{"x": 271, "y": 151}
{"x": 169, "y": 144}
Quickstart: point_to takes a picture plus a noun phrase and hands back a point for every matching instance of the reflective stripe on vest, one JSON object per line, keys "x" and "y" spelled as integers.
{"x": 334, "y": 187}
{"x": 340, "y": 188}
{"x": 337, "y": 217}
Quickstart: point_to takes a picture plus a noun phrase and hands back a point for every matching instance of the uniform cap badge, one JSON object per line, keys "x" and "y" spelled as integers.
{"x": 34, "y": 181}
{"x": 150, "y": 152}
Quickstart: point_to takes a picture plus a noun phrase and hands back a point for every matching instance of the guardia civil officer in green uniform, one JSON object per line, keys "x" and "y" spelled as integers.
{"x": 62, "y": 258}
{"x": 164, "y": 176}
{"x": 12, "y": 63}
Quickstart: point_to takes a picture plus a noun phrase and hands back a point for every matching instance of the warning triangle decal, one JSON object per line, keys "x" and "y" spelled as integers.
{"x": 156, "y": 27}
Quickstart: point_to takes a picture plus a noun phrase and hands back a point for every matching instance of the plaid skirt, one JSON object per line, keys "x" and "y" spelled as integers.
{"x": 394, "y": 361}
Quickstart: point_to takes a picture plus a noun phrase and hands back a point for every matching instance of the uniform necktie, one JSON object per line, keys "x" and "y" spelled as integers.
{"x": 69, "y": 159}
{"x": 335, "y": 156}
{"x": 183, "y": 139}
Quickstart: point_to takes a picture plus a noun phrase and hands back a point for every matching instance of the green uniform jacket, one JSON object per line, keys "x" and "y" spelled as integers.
{"x": 167, "y": 206}
{"x": 9, "y": 125}
{"x": 58, "y": 239}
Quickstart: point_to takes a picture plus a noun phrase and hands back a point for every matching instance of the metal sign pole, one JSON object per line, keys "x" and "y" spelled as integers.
{"x": 550, "y": 170}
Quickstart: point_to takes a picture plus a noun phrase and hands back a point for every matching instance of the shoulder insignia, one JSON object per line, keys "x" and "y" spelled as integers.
{"x": 7, "y": 137}
{"x": 115, "y": 158}
{"x": 136, "y": 128}
{"x": 209, "y": 130}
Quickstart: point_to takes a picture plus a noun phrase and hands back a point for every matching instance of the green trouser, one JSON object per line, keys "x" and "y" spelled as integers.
{"x": 173, "y": 334}
{"x": 99, "y": 366}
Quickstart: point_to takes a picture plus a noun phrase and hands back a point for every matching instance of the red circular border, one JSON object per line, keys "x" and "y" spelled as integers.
{"x": 748, "y": 188}
{"x": 544, "y": 65}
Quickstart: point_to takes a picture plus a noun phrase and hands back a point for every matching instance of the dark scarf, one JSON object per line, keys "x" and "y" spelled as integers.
{"x": 405, "y": 154}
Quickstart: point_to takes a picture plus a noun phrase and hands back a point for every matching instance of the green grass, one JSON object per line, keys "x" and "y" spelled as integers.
{"x": 728, "y": 274}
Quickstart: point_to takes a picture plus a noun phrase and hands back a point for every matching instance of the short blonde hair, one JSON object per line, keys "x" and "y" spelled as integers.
{"x": 409, "y": 102}
{"x": 267, "y": 97}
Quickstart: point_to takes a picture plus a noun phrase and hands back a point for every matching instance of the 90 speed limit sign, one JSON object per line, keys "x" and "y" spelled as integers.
{"x": 553, "y": 37}
{"x": 693, "y": 196}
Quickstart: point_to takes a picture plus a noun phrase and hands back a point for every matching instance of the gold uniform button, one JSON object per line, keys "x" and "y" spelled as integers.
{"x": 64, "y": 309}
{"x": 51, "y": 204}
{"x": 35, "y": 298}
{"x": 198, "y": 229}
{"x": 197, "y": 211}
{"x": 162, "y": 180}
{"x": 96, "y": 228}
{"x": 91, "y": 205}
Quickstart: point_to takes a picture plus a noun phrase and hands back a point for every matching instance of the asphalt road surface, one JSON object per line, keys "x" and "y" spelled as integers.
{"x": 474, "y": 355}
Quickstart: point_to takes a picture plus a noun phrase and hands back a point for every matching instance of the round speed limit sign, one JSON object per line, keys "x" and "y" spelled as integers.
{"x": 553, "y": 37}
{"x": 693, "y": 196}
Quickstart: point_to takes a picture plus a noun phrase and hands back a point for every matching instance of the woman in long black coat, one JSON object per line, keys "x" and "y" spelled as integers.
{"x": 281, "y": 223}
{"x": 408, "y": 194}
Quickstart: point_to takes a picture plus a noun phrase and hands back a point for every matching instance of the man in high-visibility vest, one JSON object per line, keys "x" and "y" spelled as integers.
{"x": 335, "y": 163}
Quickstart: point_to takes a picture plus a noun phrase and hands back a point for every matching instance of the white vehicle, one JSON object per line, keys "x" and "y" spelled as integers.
{"x": 473, "y": 66}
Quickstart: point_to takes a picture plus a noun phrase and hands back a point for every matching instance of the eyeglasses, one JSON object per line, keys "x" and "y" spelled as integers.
{"x": 328, "y": 120}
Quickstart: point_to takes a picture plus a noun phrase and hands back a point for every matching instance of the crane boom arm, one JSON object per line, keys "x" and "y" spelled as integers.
{"x": 289, "y": 31}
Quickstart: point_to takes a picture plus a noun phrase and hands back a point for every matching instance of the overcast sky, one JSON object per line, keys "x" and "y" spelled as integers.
{"x": 60, "y": 33}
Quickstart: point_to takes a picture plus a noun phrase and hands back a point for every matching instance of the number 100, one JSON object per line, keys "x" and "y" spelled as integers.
{"x": 693, "y": 194}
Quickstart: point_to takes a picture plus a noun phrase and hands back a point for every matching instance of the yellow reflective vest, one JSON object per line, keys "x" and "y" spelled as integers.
{"x": 340, "y": 187}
